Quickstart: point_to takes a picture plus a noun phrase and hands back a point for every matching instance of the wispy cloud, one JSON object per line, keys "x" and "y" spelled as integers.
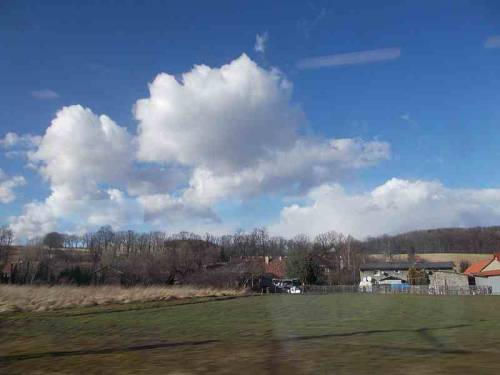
{"x": 97, "y": 67}
{"x": 406, "y": 117}
{"x": 45, "y": 94}
{"x": 307, "y": 26}
{"x": 260, "y": 42}
{"x": 8, "y": 185}
{"x": 492, "y": 42}
{"x": 12, "y": 140}
{"x": 19, "y": 146}
{"x": 361, "y": 57}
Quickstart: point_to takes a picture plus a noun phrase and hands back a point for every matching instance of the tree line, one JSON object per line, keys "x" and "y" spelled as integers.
{"x": 133, "y": 258}
{"x": 444, "y": 240}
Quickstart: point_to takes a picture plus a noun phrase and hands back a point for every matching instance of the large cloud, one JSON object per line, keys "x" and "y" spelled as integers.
{"x": 112, "y": 207}
{"x": 163, "y": 210}
{"x": 89, "y": 162}
{"x": 308, "y": 163}
{"x": 222, "y": 118}
{"x": 219, "y": 133}
{"x": 84, "y": 157}
{"x": 238, "y": 129}
{"x": 81, "y": 150}
{"x": 36, "y": 219}
{"x": 396, "y": 206}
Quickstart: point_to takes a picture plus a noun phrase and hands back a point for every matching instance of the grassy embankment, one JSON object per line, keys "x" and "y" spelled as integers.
{"x": 343, "y": 333}
{"x": 43, "y": 298}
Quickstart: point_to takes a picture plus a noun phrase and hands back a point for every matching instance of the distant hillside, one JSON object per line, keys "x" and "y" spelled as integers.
{"x": 446, "y": 240}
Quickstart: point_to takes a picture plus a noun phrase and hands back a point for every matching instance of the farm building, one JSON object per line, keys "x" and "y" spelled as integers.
{"x": 397, "y": 272}
{"x": 275, "y": 266}
{"x": 256, "y": 272}
{"x": 448, "y": 279}
{"x": 486, "y": 273}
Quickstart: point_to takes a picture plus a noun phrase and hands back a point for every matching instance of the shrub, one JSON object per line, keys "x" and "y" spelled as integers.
{"x": 417, "y": 277}
{"x": 76, "y": 275}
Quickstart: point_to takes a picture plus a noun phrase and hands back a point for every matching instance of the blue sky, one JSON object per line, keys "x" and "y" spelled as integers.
{"x": 436, "y": 105}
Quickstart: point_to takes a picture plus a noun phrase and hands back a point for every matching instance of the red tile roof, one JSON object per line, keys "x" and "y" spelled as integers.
{"x": 277, "y": 267}
{"x": 477, "y": 267}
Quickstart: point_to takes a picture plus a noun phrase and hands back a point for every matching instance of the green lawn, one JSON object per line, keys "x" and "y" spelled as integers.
{"x": 343, "y": 333}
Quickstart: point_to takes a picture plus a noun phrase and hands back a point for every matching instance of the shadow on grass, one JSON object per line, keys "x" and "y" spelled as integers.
{"x": 371, "y": 332}
{"x": 414, "y": 350}
{"x": 425, "y": 333}
{"x": 437, "y": 347}
{"x": 20, "y": 357}
{"x": 158, "y": 305}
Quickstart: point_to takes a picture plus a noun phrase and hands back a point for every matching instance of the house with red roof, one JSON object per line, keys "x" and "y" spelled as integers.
{"x": 275, "y": 266}
{"x": 486, "y": 273}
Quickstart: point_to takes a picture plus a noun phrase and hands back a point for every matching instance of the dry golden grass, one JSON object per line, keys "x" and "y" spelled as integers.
{"x": 43, "y": 298}
{"x": 455, "y": 258}
{"x": 439, "y": 257}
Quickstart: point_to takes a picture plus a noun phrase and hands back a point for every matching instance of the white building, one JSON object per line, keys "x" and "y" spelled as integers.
{"x": 487, "y": 273}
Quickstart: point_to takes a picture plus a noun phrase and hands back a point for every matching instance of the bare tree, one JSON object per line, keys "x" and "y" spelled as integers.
{"x": 6, "y": 238}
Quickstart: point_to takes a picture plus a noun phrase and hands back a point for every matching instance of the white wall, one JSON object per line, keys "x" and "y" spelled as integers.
{"x": 493, "y": 266}
{"x": 493, "y": 281}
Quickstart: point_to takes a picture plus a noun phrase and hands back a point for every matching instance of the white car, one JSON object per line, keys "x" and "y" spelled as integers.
{"x": 294, "y": 290}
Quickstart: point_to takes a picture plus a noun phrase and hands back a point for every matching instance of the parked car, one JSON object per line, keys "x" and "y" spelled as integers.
{"x": 294, "y": 290}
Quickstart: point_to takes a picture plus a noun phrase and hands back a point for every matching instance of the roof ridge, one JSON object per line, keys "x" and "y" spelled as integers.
{"x": 478, "y": 266}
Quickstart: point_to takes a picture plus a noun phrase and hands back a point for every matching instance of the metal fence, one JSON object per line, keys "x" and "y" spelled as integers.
{"x": 398, "y": 289}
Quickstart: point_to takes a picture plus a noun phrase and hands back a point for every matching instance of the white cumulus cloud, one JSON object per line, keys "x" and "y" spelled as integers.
{"x": 81, "y": 150}
{"x": 112, "y": 207}
{"x": 81, "y": 155}
{"x": 89, "y": 162}
{"x": 237, "y": 127}
{"x": 215, "y": 134}
{"x": 163, "y": 209}
{"x": 35, "y": 220}
{"x": 220, "y": 118}
{"x": 307, "y": 163}
{"x": 396, "y": 206}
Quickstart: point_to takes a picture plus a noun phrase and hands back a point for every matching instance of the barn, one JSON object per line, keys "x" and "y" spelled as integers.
{"x": 486, "y": 273}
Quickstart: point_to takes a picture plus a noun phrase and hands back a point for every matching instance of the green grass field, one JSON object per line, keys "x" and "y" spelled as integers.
{"x": 343, "y": 333}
